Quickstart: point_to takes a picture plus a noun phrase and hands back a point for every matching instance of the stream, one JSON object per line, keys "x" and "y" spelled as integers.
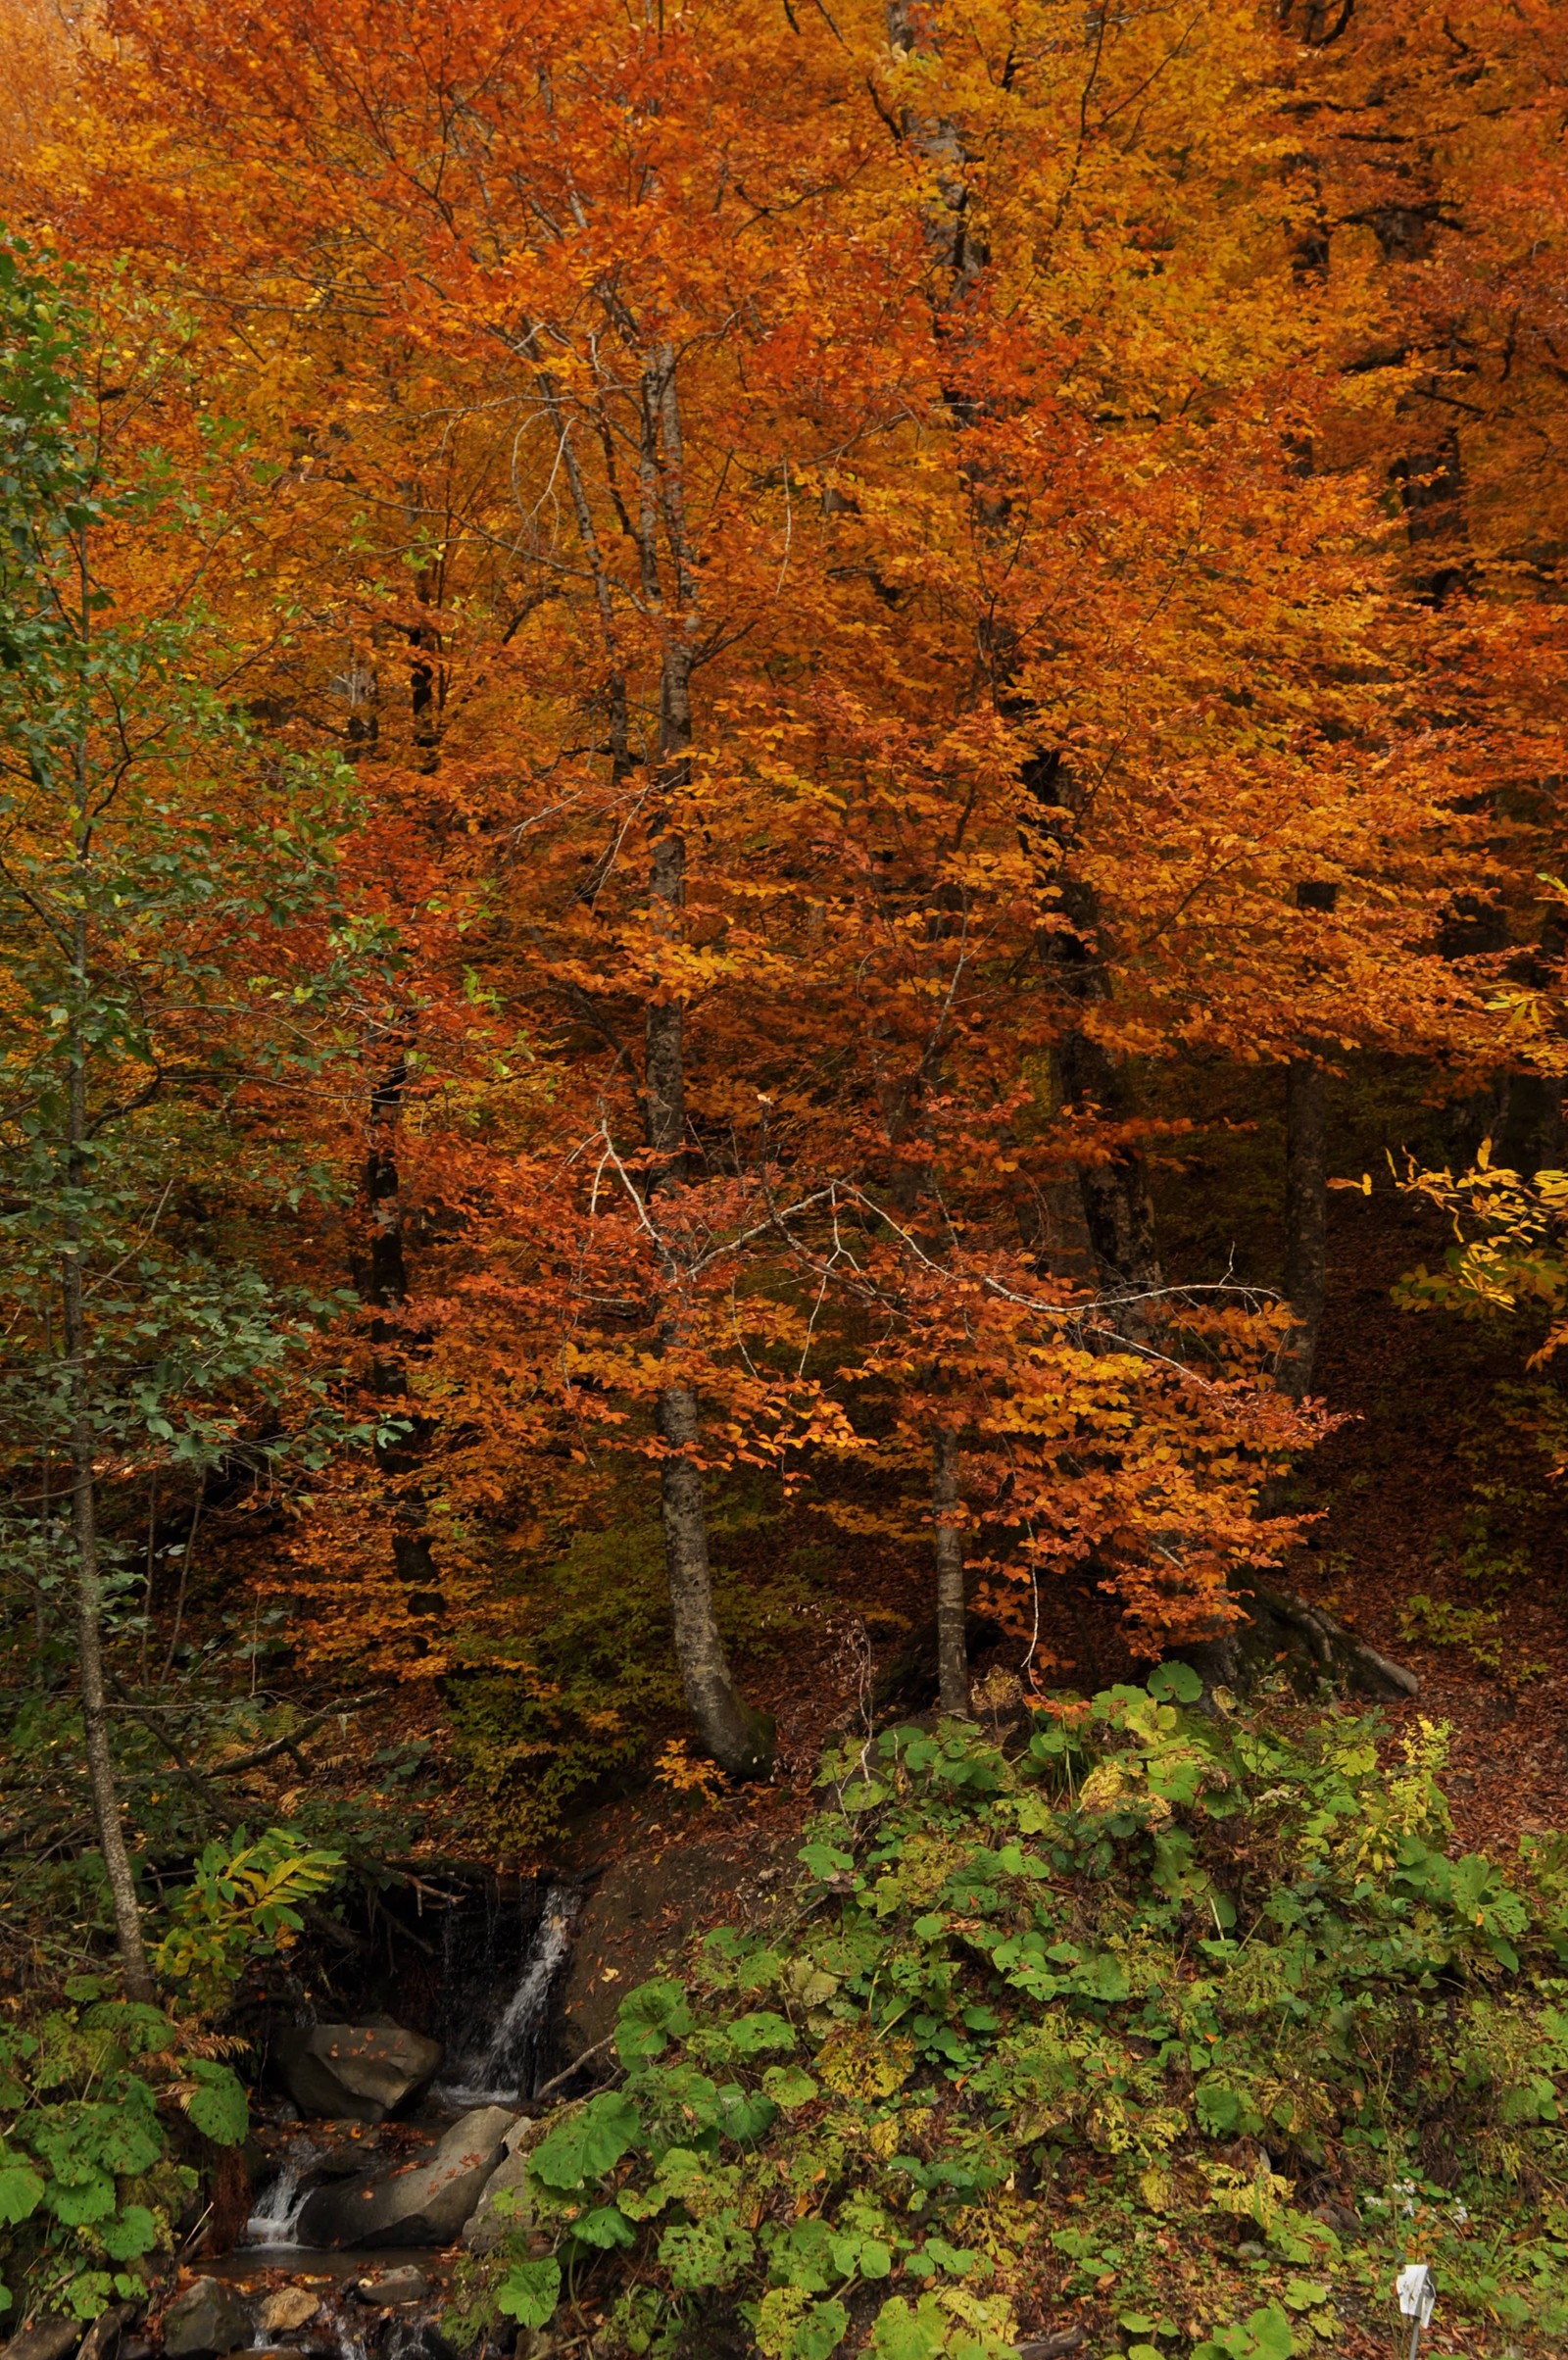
{"x": 502, "y": 1954}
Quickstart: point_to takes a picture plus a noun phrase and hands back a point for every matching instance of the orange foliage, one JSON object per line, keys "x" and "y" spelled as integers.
{"x": 934, "y": 484}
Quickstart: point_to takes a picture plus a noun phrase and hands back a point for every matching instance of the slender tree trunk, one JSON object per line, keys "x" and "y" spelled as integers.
{"x": 952, "y": 1634}
{"x": 89, "y": 1647}
{"x": 739, "y": 1740}
{"x": 85, "y": 1523}
{"x": 1429, "y": 473}
{"x": 384, "y": 1282}
{"x": 1118, "y": 1206}
{"x": 1306, "y": 1217}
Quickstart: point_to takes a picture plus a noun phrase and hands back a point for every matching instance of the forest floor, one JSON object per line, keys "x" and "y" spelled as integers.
{"x": 1442, "y": 1537}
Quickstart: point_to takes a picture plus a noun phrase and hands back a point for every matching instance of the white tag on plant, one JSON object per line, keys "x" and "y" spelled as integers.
{"x": 1417, "y": 2291}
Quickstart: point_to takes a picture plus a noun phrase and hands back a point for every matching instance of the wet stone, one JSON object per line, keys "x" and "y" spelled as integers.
{"x": 393, "y": 2287}
{"x": 287, "y": 2309}
{"x": 491, "y": 2221}
{"x": 48, "y": 2340}
{"x": 355, "y": 2073}
{"x": 206, "y": 2319}
{"x": 350, "y": 2148}
{"x": 424, "y": 2203}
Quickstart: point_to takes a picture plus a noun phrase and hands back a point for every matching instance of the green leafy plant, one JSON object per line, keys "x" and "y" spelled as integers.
{"x": 92, "y": 2177}
{"x": 1477, "y": 1630}
{"x": 243, "y": 1901}
{"x": 1264, "y": 2334}
{"x": 1059, "y": 2023}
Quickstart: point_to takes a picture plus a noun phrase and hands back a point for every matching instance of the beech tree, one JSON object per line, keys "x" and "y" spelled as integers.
{"x": 850, "y": 667}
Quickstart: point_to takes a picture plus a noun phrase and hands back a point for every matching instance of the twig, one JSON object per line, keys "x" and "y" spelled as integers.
{"x": 576, "y": 2064}
{"x": 295, "y": 1736}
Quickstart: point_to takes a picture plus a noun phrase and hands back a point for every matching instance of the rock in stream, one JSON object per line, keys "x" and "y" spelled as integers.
{"x": 205, "y": 2320}
{"x": 424, "y": 2203}
{"x": 353, "y": 2072}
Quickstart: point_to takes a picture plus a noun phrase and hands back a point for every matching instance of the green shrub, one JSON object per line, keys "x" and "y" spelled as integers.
{"x": 90, "y": 2178}
{"x": 1100, "y": 2023}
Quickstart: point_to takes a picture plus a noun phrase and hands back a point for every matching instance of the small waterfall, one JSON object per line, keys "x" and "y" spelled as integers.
{"x": 278, "y": 2206}
{"x": 503, "y": 1948}
{"x": 503, "y": 2066}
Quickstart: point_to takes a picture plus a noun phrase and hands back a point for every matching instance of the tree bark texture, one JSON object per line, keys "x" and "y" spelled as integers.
{"x": 1306, "y": 1217}
{"x": 88, "y": 1583}
{"x": 739, "y": 1740}
{"x": 953, "y": 1636}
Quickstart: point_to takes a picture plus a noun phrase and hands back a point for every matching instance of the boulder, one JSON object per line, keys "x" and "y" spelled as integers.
{"x": 424, "y": 2203}
{"x": 641, "y": 1910}
{"x": 354, "y": 2072}
{"x": 205, "y": 2319}
{"x": 487, "y": 2224}
{"x": 393, "y": 2287}
{"x": 351, "y": 2151}
{"x": 286, "y": 2309}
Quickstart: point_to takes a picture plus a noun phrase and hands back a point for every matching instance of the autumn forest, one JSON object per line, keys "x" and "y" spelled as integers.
{"x": 783, "y": 1179}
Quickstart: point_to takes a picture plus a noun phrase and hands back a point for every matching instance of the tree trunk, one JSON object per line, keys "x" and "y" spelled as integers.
{"x": 89, "y": 1589}
{"x": 94, "y": 1717}
{"x": 1429, "y": 473}
{"x": 1118, "y": 1206}
{"x": 1306, "y": 1217}
{"x": 664, "y": 1029}
{"x": 1431, "y": 486}
{"x": 384, "y": 1282}
{"x": 953, "y": 1636}
{"x": 739, "y": 1740}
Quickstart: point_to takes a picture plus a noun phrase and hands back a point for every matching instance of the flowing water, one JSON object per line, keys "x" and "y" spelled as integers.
{"x": 501, "y": 2056}
{"x": 503, "y": 1953}
{"x": 278, "y": 2207}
